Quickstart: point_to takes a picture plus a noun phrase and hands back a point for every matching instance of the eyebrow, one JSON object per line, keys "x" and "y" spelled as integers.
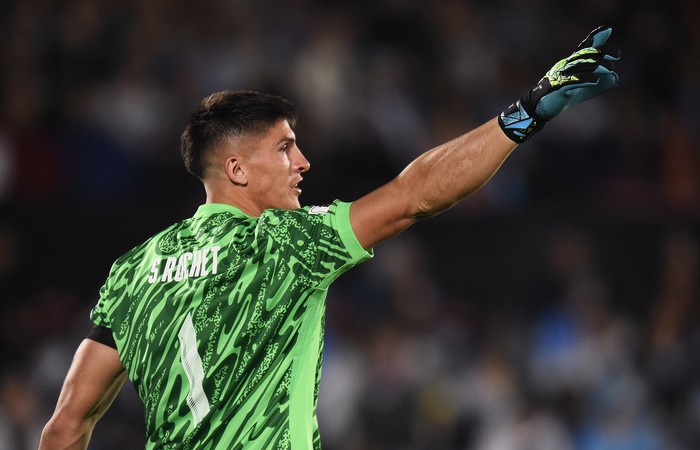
{"x": 286, "y": 140}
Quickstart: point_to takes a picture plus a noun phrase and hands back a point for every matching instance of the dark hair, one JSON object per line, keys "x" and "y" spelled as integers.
{"x": 226, "y": 115}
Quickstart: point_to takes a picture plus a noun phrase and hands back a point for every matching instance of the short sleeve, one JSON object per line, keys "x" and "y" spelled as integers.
{"x": 347, "y": 235}
{"x": 99, "y": 315}
{"x": 319, "y": 237}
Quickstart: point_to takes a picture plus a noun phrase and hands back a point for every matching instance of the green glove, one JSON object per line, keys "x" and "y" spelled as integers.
{"x": 588, "y": 72}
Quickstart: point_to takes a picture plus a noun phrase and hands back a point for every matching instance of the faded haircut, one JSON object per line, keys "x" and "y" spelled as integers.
{"x": 225, "y": 115}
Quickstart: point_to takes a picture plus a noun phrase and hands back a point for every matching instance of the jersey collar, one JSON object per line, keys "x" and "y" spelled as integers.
{"x": 208, "y": 209}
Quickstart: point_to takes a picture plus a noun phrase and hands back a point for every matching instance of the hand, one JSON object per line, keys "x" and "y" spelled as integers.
{"x": 588, "y": 72}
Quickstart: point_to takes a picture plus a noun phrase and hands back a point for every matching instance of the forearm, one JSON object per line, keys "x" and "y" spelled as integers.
{"x": 450, "y": 172}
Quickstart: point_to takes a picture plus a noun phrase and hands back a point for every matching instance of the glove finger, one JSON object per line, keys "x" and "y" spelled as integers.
{"x": 590, "y": 85}
{"x": 581, "y": 79}
{"x": 610, "y": 53}
{"x": 592, "y": 65}
{"x": 604, "y": 68}
{"x": 580, "y": 65}
{"x": 596, "y": 37}
{"x": 607, "y": 51}
{"x": 585, "y": 54}
{"x": 604, "y": 78}
{"x": 607, "y": 81}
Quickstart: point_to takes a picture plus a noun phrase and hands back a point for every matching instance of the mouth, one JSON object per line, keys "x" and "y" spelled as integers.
{"x": 296, "y": 188}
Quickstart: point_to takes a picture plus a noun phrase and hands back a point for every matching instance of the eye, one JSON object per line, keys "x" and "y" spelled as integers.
{"x": 285, "y": 147}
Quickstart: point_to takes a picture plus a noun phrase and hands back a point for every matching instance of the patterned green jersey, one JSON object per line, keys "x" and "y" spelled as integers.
{"x": 219, "y": 320}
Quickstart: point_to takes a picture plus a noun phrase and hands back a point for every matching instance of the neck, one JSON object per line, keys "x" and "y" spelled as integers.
{"x": 229, "y": 198}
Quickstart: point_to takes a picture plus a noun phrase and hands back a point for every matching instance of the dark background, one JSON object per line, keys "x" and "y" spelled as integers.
{"x": 554, "y": 308}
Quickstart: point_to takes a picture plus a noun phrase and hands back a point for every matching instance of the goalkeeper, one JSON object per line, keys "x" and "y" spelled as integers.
{"x": 218, "y": 320}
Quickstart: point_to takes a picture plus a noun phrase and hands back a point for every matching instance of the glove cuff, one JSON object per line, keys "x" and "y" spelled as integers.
{"x": 519, "y": 122}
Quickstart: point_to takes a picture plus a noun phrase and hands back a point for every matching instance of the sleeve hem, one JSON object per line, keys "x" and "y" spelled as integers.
{"x": 103, "y": 335}
{"x": 347, "y": 235}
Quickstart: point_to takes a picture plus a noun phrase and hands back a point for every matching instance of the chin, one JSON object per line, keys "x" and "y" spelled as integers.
{"x": 295, "y": 203}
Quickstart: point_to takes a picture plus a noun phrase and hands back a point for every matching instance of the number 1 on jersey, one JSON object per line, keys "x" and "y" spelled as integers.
{"x": 192, "y": 363}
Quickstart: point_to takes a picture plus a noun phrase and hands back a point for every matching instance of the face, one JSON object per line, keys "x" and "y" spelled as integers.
{"x": 273, "y": 166}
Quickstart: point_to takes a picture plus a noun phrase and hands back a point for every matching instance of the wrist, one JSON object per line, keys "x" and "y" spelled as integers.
{"x": 519, "y": 121}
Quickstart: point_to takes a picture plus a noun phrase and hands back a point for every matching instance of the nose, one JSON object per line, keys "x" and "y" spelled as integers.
{"x": 301, "y": 164}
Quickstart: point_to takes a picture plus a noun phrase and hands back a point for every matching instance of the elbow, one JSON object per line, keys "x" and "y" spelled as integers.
{"x": 425, "y": 208}
{"x": 422, "y": 203}
{"x": 63, "y": 432}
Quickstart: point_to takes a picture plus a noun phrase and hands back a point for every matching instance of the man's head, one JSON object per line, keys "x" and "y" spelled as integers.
{"x": 242, "y": 146}
{"x": 228, "y": 115}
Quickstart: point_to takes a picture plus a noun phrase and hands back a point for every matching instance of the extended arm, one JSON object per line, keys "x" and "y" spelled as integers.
{"x": 441, "y": 177}
{"x": 93, "y": 381}
{"x": 432, "y": 183}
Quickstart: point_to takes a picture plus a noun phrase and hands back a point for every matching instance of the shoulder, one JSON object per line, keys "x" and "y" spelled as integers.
{"x": 163, "y": 240}
{"x": 312, "y": 228}
{"x": 307, "y": 214}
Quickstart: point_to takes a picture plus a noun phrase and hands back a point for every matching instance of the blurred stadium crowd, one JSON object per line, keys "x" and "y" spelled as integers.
{"x": 557, "y": 308}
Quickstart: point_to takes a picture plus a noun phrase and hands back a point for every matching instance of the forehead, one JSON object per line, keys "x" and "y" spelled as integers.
{"x": 271, "y": 137}
{"x": 280, "y": 130}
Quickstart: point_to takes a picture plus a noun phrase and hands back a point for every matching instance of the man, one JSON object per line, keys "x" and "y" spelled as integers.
{"x": 218, "y": 320}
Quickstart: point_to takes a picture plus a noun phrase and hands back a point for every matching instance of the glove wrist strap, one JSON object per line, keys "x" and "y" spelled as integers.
{"x": 519, "y": 122}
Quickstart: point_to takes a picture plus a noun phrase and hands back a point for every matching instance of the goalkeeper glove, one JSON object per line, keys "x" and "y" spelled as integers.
{"x": 588, "y": 72}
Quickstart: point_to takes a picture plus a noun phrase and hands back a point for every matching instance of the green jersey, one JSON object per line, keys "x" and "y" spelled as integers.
{"x": 219, "y": 321}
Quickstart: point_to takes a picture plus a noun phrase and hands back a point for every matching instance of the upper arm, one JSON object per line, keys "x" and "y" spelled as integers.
{"x": 94, "y": 379}
{"x": 381, "y": 214}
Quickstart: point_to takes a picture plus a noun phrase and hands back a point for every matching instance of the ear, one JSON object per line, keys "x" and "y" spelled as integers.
{"x": 235, "y": 171}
